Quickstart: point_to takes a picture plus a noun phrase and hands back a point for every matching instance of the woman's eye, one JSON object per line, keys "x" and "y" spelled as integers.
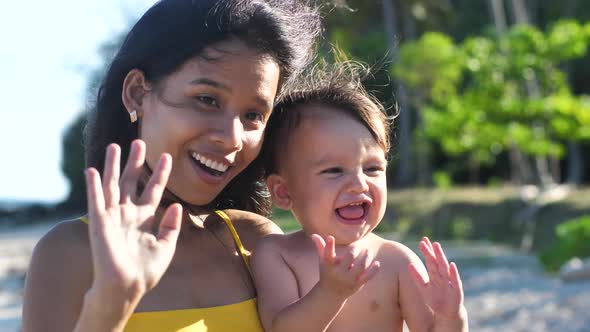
{"x": 254, "y": 117}
{"x": 207, "y": 100}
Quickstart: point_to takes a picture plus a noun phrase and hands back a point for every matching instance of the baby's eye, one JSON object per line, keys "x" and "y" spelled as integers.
{"x": 374, "y": 169}
{"x": 332, "y": 170}
{"x": 208, "y": 100}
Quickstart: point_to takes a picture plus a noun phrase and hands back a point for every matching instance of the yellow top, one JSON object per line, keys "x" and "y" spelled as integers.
{"x": 242, "y": 316}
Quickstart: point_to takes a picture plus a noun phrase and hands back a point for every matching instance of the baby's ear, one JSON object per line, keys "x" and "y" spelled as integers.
{"x": 279, "y": 191}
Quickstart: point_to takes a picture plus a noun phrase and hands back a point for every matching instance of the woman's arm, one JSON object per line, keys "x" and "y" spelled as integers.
{"x": 127, "y": 258}
{"x": 59, "y": 274}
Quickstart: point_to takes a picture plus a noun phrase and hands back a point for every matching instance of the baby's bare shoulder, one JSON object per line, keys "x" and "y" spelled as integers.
{"x": 392, "y": 254}
{"x": 281, "y": 242}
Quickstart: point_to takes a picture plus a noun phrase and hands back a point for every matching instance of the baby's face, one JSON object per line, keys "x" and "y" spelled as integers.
{"x": 335, "y": 176}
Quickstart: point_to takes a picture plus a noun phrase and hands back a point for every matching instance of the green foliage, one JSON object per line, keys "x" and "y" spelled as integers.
{"x": 285, "y": 220}
{"x": 442, "y": 180}
{"x": 573, "y": 240}
{"x": 431, "y": 66}
{"x": 489, "y": 95}
{"x": 461, "y": 228}
{"x": 72, "y": 163}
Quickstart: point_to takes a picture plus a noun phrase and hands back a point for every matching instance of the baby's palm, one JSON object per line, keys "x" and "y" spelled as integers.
{"x": 127, "y": 255}
{"x": 343, "y": 275}
{"x": 442, "y": 291}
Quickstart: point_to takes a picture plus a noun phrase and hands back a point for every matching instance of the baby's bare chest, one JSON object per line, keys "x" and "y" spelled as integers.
{"x": 373, "y": 308}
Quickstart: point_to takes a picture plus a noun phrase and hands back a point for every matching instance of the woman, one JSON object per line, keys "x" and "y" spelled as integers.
{"x": 195, "y": 81}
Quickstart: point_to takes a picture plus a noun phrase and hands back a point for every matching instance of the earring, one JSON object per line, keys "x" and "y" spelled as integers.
{"x": 133, "y": 116}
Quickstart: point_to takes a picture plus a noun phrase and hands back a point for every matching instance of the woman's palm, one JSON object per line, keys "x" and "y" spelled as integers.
{"x": 129, "y": 254}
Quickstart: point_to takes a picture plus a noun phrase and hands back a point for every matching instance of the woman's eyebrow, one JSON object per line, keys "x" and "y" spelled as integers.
{"x": 261, "y": 101}
{"x": 210, "y": 82}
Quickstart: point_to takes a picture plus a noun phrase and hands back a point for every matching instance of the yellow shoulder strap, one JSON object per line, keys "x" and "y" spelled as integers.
{"x": 233, "y": 231}
{"x": 236, "y": 237}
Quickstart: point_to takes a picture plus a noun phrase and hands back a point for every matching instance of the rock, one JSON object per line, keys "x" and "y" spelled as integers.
{"x": 575, "y": 269}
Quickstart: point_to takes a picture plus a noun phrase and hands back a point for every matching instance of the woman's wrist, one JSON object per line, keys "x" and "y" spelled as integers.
{"x": 109, "y": 309}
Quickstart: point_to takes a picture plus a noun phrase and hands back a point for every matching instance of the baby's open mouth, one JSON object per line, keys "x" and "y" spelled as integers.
{"x": 353, "y": 211}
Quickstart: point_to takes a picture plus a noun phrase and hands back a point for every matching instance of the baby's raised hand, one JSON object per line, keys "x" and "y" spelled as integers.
{"x": 343, "y": 275}
{"x": 441, "y": 289}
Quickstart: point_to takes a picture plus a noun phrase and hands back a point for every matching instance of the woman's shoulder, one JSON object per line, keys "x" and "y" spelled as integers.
{"x": 60, "y": 270}
{"x": 251, "y": 226}
{"x": 66, "y": 244}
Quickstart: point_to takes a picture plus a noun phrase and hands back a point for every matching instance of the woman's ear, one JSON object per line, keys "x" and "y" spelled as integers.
{"x": 135, "y": 88}
{"x": 279, "y": 191}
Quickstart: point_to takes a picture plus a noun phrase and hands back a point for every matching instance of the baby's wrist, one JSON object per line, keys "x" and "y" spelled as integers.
{"x": 332, "y": 293}
{"x": 455, "y": 321}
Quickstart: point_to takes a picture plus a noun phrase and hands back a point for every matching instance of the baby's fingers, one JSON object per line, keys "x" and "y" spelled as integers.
{"x": 330, "y": 250}
{"x": 320, "y": 245}
{"x": 360, "y": 263}
{"x": 441, "y": 260}
{"x": 455, "y": 278}
{"x": 417, "y": 275}
{"x": 369, "y": 273}
{"x": 157, "y": 183}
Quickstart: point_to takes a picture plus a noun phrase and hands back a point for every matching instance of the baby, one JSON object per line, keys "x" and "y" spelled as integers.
{"x": 327, "y": 166}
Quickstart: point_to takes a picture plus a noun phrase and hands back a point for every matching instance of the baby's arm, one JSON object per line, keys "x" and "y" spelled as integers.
{"x": 440, "y": 289}
{"x": 279, "y": 305}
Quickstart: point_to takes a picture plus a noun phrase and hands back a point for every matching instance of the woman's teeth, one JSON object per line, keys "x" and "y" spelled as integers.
{"x": 220, "y": 167}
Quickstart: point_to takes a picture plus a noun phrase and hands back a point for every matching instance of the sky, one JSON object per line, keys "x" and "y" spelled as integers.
{"x": 47, "y": 50}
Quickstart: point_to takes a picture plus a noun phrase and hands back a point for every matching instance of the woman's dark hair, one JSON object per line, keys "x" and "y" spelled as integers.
{"x": 173, "y": 31}
{"x": 337, "y": 86}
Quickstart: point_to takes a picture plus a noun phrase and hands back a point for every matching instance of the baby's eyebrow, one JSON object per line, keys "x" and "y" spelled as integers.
{"x": 323, "y": 160}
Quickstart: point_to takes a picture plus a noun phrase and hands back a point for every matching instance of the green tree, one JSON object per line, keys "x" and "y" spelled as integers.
{"x": 475, "y": 99}
{"x": 73, "y": 161}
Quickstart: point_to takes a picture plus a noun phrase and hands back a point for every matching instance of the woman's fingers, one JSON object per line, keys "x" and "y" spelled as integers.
{"x": 132, "y": 171}
{"x": 154, "y": 189}
{"x": 110, "y": 181}
{"x": 94, "y": 194}
{"x": 170, "y": 225}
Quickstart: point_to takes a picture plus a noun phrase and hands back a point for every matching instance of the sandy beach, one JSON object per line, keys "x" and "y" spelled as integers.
{"x": 505, "y": 290}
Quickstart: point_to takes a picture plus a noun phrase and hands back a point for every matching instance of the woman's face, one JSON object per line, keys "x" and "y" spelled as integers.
{"x": 210, "y": 117}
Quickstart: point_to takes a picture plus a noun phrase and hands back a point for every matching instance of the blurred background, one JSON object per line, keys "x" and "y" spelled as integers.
{"x": 491, "y": 149}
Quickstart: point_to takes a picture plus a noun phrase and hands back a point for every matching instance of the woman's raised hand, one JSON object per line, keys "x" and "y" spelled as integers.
{"x": 129, "y": 255}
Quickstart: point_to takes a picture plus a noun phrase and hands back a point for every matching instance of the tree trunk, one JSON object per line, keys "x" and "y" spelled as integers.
{"x": 498, "y": 15}
{"x": 574, "y": 164}
{"x": 403, "y": 122}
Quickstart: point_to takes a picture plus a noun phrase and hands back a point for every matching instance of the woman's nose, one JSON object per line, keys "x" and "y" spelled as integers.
{"x": 229, "y": 133}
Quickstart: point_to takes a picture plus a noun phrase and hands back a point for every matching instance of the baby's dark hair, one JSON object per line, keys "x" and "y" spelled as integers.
{"x": 337, "y": 86}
